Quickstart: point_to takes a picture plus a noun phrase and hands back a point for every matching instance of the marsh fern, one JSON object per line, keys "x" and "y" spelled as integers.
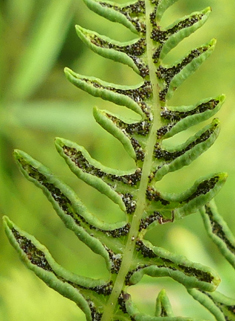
{"x": 128, "y": 255}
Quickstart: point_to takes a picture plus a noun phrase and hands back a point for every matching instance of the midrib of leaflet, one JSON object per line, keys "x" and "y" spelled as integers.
{"x": 146, "y": 169}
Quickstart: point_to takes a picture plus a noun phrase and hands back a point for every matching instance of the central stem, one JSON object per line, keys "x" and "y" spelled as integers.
{"x": 146, "y": 170}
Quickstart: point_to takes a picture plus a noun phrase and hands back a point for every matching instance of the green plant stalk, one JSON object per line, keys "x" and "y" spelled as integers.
{"x": 147, "y": 165}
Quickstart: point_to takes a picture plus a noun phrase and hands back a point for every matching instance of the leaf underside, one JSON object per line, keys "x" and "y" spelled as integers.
{"x": 127, "y": 254}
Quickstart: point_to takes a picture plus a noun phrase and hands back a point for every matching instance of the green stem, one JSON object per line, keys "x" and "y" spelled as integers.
{"x": 147, "y": 165}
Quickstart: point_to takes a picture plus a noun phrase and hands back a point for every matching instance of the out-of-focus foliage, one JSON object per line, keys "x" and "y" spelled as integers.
{"x": 37, "y": 40}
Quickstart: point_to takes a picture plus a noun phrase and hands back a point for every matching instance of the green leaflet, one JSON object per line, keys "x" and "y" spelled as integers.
{"x": 69, "y": 208}
{"x": 219, "y": 232}
{"x": 225, "y": 304}
{"x": 180, "y": 118}
{"x": 173, "y": 38}
{"x": 163, "y": 306}
{"x": 174, "y": 76}
{"x": 107, "y": 48}
{"x": 107, "y": 121}
{"x": 117, "y": 13}
{"x": 162, "y": 6}
{"x": 120, "y": 95}
{"x": 81, "y": 290}
{"x": 220, "y": 306}
{"x": 187, "y": 152}
{"x": 158, "y": 262}
{"x": 127, "y": 254}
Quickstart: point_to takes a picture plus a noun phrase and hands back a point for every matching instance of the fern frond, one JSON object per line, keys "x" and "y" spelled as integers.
{"x": 127, "y": 254}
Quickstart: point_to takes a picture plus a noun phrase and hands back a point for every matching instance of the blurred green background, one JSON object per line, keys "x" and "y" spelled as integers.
{"x": 37, "y": 103}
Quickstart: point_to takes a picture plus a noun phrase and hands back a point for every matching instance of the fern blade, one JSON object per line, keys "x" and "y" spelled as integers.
{"x": 127, "y": 254}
